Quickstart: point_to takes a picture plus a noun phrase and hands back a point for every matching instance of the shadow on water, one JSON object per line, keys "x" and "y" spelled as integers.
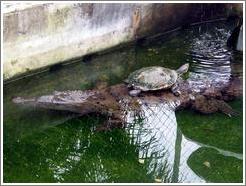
{"x": 157, "y": 145}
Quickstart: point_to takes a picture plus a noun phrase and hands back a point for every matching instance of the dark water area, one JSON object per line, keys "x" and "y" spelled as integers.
{"x": 162, "y": 146}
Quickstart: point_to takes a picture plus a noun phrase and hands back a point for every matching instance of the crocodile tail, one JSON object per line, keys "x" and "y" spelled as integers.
{"x": 226, "y": 109}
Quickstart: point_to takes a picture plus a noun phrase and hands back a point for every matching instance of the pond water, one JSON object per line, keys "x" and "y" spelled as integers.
{"x": 162, "y": 146}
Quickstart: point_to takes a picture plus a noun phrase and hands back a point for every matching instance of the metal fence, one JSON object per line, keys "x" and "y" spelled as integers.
{"x": 162, "y": 147}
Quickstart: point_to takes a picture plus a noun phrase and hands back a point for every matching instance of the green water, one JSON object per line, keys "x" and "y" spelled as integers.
{"x": 51, "y": 146}
{"x": 215, "y": 129}
{"x": 215, "y": 167}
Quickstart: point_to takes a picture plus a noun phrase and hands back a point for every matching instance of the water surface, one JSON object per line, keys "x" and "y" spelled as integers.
{"x": 157, "y": 146}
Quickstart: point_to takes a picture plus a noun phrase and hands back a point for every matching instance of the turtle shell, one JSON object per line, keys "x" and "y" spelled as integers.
{"x": 152, "y": 78}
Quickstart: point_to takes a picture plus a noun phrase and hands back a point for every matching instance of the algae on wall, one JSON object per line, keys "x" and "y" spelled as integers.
{"x": 41, "y": 35}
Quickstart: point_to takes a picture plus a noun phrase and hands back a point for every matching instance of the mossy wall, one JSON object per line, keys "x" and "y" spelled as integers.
{"x": 42, "y": 35}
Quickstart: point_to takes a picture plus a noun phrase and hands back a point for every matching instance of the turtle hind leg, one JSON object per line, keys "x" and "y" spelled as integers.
{"x": 226, "y": 109}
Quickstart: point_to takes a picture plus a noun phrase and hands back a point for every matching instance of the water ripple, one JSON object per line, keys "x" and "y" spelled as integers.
{"x": 210, "y": 59}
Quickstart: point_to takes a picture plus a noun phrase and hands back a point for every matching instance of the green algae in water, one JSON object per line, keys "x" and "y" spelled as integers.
{"x": 75, "y": 152}
{"x": 30, "y": 147}
{"x": 37, "y": 150}
{"x": 216, "y": 129}
{"x": 214, "y": 167}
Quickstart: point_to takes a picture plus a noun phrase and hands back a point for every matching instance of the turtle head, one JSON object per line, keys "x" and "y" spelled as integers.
{"x": 183, "y": 69}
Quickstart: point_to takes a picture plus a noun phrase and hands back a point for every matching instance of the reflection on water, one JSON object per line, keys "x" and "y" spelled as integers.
{"x": 152, "y": 148}
{"x": 161, "y": 143}
{"x": 96, "y": 173}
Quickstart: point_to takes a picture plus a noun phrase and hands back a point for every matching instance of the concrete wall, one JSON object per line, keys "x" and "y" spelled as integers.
{"x": 40, "y": 35}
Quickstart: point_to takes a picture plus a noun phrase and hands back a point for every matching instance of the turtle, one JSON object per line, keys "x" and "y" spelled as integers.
{"x": 155, "y": 78}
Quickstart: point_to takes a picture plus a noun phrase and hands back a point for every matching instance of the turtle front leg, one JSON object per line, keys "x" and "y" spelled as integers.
{"x": 175, "y": 90}
{"x": 134, "y": 92}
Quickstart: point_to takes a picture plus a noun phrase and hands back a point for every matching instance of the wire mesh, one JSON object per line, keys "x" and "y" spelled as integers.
{"x": 162, "y": 148}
